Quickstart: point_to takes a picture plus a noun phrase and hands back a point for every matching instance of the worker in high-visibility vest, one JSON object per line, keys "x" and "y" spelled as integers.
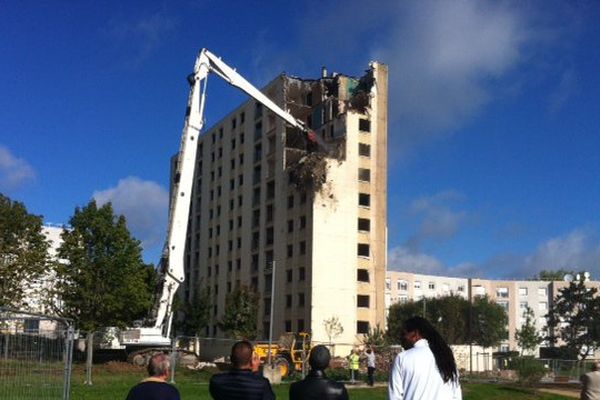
{"x": 353, "y": 361}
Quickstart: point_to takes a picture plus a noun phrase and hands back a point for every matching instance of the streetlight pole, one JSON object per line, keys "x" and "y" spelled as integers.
{"x": 271, "y": 313}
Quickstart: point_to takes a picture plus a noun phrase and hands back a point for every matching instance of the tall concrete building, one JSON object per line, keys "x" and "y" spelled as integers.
{"x": 269, "y": 205}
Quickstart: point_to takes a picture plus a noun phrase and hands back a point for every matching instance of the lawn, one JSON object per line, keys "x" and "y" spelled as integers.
{"x": 113, "y": 382}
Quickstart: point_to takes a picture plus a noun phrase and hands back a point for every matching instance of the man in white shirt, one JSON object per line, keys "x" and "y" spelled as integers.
{"x": 370, "y": 366}
{"x": 427, "y": 369}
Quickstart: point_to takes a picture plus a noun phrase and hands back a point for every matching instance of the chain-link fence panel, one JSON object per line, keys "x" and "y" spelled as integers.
{"x": 35, "y": 356}
{"x": 563, "y": 371}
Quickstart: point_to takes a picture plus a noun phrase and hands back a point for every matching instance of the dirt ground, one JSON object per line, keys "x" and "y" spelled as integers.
{"x": 567, "y": 392}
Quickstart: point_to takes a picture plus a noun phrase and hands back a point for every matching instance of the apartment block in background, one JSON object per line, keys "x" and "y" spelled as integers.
{"x": 513, "y": 296}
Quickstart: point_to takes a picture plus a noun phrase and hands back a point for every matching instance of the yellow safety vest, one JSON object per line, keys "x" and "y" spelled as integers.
{"x": 354, "y": 361}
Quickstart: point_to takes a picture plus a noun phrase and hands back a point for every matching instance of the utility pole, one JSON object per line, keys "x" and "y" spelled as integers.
{"x": 470, "y": 293}
{"x": 271, "y": 313}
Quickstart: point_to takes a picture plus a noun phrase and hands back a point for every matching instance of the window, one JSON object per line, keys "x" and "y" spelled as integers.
{"x": 542, "y": 306}
{"x": 522, "y": 291}
{"x": 461, "y": 288}
{"x": 362, "y": 301}
{"x": 503, "y": 304}
{"x": 364, "y": 150}
{"x": 402, "y": 285}
{"x": 291, "y": 201}
{"x": 362, "y": 327}
{"x": 417, "y": 285}
{"x": 288, "y": 325}
{"x": 300, "y": 299}
{"x": 301, "y": 273}
{"x": 542, "y": 291}
{"x": 364, "y": 125}
{"x": 363, "y": 250}
{"x": 289, "y": 274}
{"x": 502, "y": 292}
{"x": 364, "y": 174}
{"x": 431, "y": 285}
{"x": 362, "y": 275}
{"x": 300, "y": 325}
{"x": 302, "y": 222}
{"x": 290, "y": 250}
{"x": 303, "y": 247}
{"x": 388, "y": 284}
{"x": 288, "y": 301}
{"x": 270, "y": 190}
{"x": 364, "y": 199}
{"x": 270, "y": 236}
{"x": 523, "y": 305}
{"x": 290, "y": 225}
{"x": 364, "y": 224}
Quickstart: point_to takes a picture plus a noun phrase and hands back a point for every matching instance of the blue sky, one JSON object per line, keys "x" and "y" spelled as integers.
{"x": 494, "y": 114}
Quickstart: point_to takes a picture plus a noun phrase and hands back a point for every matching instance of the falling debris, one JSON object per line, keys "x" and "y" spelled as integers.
{"x": 322, "y": 105}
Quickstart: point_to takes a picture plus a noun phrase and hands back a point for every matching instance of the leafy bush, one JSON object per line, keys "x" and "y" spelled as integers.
{"x": 529, "y": 369}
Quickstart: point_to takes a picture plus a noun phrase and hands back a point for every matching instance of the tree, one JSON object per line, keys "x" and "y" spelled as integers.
{"x": 103, "y": 281}
{"x": 240, "y": 317}
{"x": 573, "y": 318}
{"x": 194, "y": 314}
{"x": 448, "y": 314}
{"x": 23, "y": 251}
{"x": 398, "y": 313}
{"x": 375, "y": 337}
{"x": 333, "y": 327}
{"x": 443, "y": 312}
{"x": 528, "y": 337}
{"x": 550, "y": 275}
{"x": 489, "y": 321}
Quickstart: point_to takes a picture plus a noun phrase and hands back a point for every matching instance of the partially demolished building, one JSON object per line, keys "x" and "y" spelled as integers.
{"x": 264, "y": 196}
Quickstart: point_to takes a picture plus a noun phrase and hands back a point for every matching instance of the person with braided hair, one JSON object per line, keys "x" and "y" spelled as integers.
{"x": 426, "y": 370}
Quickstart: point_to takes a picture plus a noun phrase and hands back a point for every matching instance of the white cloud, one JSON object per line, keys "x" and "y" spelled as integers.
{"x": 442, "y": 57}
{"x": 578, "y": 250}
{"x": 403, "y": 259}
{"x": 14, "y": 171}
{"x": 437, "y": 219}
{"x": 144, "y": 204}
{"x": 141, "y": 36}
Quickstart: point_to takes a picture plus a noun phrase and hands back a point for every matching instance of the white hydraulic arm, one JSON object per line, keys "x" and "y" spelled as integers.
{"x": 173, "y": 271}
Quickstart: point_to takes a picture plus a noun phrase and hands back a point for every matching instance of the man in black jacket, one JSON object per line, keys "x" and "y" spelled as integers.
{"x": 316, "y": 386}
{"x": 242, "y": 381}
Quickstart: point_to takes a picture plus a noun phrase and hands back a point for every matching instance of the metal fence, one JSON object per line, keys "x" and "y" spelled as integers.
{"x": 35, "y": 356}
{"x": 565, "y": 370}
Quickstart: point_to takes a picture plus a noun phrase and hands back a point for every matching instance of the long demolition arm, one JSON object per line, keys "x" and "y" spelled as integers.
{"x": 173, "y": 271}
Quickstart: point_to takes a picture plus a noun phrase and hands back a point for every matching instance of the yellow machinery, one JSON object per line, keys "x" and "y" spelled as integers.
{"x": 288, "y": 355}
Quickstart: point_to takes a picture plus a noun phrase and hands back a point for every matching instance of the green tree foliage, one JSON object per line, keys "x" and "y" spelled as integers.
{"x": 398, "y": 313}
{"x": 23, "y": 251}
{"x": 550, "y": 275}
{"x": 573, "y": 318}
{"x": 375, "y": 337}
{"x": 194, "y": 314}
{"x": 450, "y": 316}
{"x": 104, "y": 281}
{"x": 528, "y": 336}
{"x": 489, "y": 321}
{"x": 241, "y": 310}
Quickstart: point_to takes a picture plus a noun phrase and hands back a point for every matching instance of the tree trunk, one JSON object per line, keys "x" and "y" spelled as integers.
{"x": 90, "y": 354}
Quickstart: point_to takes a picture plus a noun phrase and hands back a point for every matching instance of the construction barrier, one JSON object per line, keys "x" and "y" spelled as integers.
{"x": 35, "y": 356}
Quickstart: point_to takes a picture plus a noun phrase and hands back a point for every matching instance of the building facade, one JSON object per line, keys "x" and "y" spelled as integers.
{"x": 513, "y": 296}
{"x": 267, "y": 205}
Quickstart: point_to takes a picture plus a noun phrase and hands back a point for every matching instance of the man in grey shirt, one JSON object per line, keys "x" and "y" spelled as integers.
{"x": 590, "y": 389}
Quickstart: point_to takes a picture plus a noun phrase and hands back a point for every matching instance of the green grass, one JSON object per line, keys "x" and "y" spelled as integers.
{"x": 113, "y": 383}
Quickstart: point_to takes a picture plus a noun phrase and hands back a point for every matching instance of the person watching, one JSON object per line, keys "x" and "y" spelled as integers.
{"x": 242, "y": 381}
{"x": 426, "y": 370}
{"x": 155, "y": 387}
{"x": 316, "y": 386}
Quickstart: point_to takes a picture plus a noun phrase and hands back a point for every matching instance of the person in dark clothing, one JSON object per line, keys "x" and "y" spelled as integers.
{"x": 155, "y": 387}
{"x": 242, "y": 381}
{"x": 316, "y": 386}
